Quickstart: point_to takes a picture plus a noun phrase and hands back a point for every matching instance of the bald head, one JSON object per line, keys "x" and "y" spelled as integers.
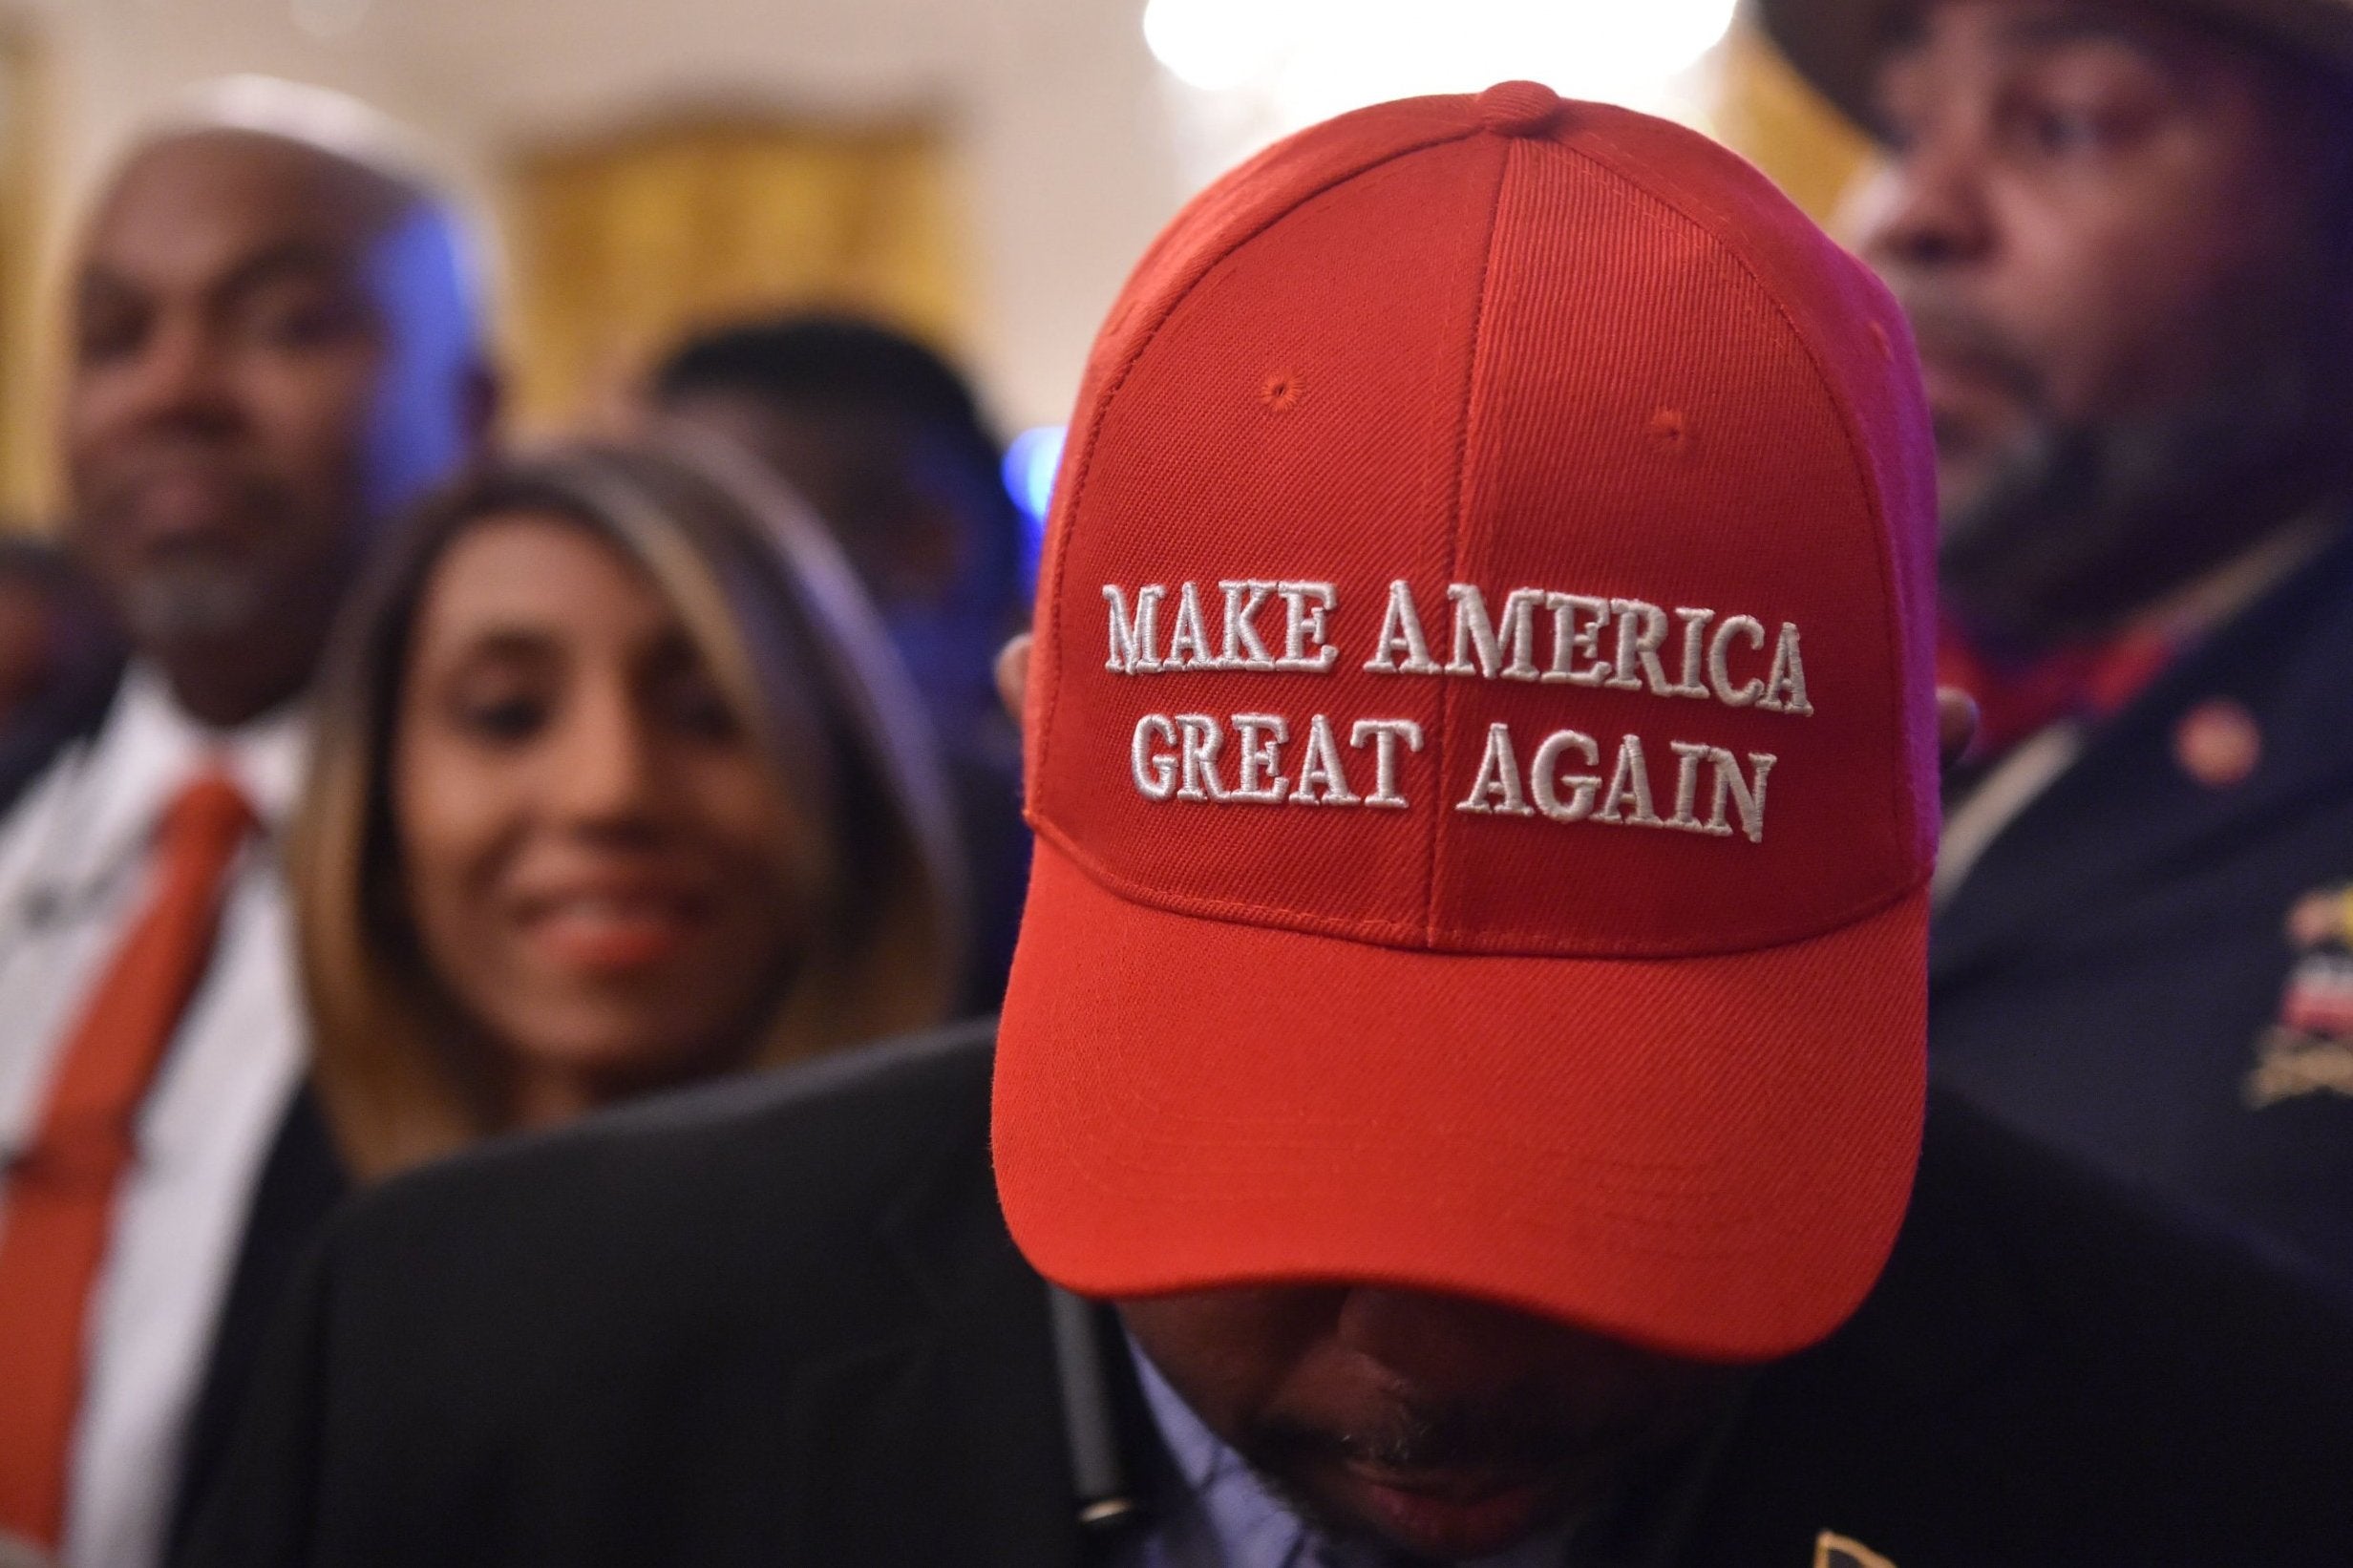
{"x": 274, "y": 345}
{"x": 339, "y": 188}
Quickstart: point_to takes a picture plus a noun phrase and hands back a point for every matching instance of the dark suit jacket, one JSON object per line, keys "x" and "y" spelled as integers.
{"x": 72, "y": 708}
{"x": 302, "y": 1180}
{"x": 781, "y": 1323}
{"x": 2110, "y": 973}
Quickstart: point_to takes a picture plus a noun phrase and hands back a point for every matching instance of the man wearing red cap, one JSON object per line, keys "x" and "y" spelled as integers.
{"x": 1467, "y": 1030}
{"x": 2120, "y": 229}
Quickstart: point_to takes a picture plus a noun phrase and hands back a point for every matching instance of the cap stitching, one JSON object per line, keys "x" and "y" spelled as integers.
{"x": 1471, "y": 382}
{"x": 1050, "y": 585}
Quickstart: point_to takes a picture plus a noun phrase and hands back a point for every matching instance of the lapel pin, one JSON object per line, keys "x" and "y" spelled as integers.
{"x": 2217, "y": 743}
{"x": 2308, "y": 1048}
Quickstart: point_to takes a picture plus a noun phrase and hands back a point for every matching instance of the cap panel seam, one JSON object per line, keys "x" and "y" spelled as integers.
{"x": 1473, "y": 378}
{"x": 1146, "y": 334}
{"x": 1713, "y": 227}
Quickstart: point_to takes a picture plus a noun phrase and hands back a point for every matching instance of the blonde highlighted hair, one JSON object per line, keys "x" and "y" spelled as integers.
{"x": 790, "y": 639}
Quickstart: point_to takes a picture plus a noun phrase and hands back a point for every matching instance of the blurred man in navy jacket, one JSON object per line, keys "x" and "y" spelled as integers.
{"x": 2120, "y": 233}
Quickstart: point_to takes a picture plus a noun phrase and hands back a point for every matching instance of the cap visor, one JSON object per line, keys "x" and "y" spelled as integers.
{"x": 1709, "y": 1156}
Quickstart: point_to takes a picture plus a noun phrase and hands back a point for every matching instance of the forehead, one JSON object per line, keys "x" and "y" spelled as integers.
{"x": 186, "y": 210}
{"x": 540, "y": 572}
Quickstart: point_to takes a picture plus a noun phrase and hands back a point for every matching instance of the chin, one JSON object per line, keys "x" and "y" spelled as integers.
{"x": 621, "y": 1053}
{"x": 593, "y": 1050}
{"x": 169, "y": 608}
{"x": 1445, "y": 1524}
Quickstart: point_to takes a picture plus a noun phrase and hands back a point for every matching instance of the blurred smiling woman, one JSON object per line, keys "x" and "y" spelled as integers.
{"x": 616, "y": 786}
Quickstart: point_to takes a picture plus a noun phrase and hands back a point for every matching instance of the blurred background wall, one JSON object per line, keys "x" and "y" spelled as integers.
{"x": 983, "y": 171}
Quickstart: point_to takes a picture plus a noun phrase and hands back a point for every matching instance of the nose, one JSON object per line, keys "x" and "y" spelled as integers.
{"x": 1925, "y": 209}
{"x": 181, "y": 380}
{"x": 1442, "y": 1345}
{"x": 601, "y": 770}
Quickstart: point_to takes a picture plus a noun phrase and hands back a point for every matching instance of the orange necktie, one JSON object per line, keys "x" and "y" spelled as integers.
{"x": 61, "y": 1188}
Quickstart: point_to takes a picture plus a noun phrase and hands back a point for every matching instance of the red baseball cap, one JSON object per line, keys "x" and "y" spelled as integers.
{"x": 1481, "y": 744}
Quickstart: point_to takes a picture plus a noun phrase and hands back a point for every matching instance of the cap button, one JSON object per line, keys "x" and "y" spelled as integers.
{"x": 1518, "y": 109}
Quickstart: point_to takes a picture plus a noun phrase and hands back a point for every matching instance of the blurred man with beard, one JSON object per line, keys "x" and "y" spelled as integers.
{"x": 2123, "y": 235}
{"x": 273, "y": 343}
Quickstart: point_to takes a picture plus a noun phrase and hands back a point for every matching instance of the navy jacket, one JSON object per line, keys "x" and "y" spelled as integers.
{"x": 2117, "y": 974}
{"x": 780, "y": 1322}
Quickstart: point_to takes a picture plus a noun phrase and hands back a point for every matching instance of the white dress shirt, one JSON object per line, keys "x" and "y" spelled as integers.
{"x": 74, "y": 873}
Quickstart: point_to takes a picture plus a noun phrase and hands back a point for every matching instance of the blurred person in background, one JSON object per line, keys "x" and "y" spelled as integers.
{"x": 886, "y": 442}
{"x": 59, "y": 659}
{"x": 616, "y": 784}
{"x": 2123, "y": 235}
{"x": 273, "y": 345}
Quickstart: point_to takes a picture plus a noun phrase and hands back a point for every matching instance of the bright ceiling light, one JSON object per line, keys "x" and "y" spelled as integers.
{"x": 1305, "y": 60}
{"x": 1216, "y": 45}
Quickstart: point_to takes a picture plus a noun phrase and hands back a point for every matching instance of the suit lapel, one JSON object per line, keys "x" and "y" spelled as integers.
{"x": 2115, "y": 823}
{"x": 302, "y": 1180}
{"x": 1831, "y": 1441}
